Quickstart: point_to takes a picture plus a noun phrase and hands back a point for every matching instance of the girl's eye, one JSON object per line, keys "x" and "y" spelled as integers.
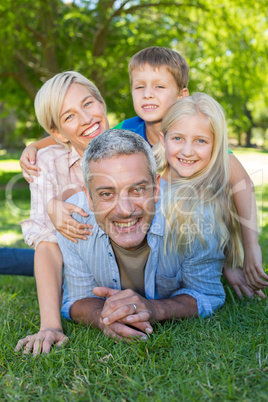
{"x": 177, "y": 138}
{"x": 200, "y": 141}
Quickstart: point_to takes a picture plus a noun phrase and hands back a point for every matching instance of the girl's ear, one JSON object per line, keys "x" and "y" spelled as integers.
{"x": 162, "y": 139}
{"x": 56, "y": 134}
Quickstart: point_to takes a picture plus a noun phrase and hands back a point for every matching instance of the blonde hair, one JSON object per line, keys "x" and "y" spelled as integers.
{"x": 207, "y": 193}
{"x": 50, "y": 97}
{"x": 156, "y": 57}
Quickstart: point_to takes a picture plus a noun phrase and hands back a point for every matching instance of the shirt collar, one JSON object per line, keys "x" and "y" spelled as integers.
{"x": 74, "y": 156}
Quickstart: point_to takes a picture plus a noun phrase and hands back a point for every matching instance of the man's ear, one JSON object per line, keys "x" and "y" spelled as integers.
{"x": 157, "y": 188}
{"x": 184, "y": 92}
{"x": 161, "y": 138}
{"x": 90, "y": 202}
{"x": 56, "y": 134}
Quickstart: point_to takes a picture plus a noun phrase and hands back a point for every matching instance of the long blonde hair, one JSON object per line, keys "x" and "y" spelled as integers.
{"x": 205, "y": 198}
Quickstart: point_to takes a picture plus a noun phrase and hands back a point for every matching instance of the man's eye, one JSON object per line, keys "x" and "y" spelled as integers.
{"x": 138, "y": 190}
{"x": 106, "y": 195}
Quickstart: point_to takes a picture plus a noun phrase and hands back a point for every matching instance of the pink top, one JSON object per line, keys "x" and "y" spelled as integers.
{"x": 61, "y": 168}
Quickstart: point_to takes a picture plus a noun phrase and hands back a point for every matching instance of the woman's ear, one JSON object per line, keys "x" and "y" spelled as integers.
{"x": 56, "y": 134}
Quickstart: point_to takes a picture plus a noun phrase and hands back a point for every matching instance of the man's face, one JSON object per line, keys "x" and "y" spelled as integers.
{"x": 123, "y": 198}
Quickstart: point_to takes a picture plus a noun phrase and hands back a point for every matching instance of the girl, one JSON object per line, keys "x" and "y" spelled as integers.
{"x": 193, "y": 155}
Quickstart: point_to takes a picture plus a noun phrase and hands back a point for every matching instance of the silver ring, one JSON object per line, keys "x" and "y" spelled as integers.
{"x": 135, "y": 307}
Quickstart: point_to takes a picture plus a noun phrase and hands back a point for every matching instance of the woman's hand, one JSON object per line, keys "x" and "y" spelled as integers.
{"x": 27, "y": 163}
{"x": 255, "y": 276}
{"x": 60, "y": 213}
{"x": 42, "y": 341}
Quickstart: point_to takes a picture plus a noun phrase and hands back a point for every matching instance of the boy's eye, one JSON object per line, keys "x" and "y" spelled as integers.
{"x": 160, "y": 86}
{"x": 88, "y": 103}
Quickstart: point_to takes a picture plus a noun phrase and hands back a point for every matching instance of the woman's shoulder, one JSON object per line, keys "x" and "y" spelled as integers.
{"x": 52, "y": 152}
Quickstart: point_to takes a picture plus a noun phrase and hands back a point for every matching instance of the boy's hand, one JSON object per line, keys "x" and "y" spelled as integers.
{"x": 60, "y": 213}
{"x": 27, "y": 163}
{"x": 254, "y": 274}
{"x": 237, "y": 280}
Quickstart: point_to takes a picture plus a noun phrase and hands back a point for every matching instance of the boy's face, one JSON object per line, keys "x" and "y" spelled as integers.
{"x": 154, "y": 90}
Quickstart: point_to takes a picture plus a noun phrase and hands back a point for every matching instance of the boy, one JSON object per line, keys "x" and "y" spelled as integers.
{"x": 158, "y": 77}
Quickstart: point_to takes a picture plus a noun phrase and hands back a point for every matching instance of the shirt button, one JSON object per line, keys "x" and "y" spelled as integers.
{"x": 110, "y": 254}
{"x": 114, "y": 280}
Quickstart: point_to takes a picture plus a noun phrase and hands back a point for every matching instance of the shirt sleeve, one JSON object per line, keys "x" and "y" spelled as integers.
{"x": 39, "y": 226}
{"x": 201, "y": 275}
{"x": 78, "y": 279}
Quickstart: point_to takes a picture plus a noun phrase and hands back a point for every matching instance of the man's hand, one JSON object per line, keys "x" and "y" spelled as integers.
{"x": 126, "y": 306}
{"x": 237, "y": 280}
{"x": 42, "y": 341}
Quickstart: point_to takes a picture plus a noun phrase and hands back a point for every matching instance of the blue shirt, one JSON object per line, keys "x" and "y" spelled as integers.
{"x": 136, "y": 125}
{"x": 92, "y": 263}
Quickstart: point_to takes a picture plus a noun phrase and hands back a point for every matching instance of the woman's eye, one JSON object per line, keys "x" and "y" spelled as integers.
{"x": 88, "y": 103}
{"x": 201, "y": 141}
{"x": 69, "y": 117}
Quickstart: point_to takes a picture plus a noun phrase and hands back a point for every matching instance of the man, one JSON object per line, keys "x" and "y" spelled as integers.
{"x": 121, "y": 280}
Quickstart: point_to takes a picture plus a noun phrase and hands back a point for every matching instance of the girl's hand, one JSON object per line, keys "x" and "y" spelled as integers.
{"x": 27, "y": 163}
{"x": 60, "y": 214}
{"x": 237, "y": 280}
{"x": 254, "y": 274}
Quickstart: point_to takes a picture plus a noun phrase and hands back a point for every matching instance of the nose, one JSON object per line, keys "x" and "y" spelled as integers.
{"x": 125, "y": 206}
{"x": 148, "y": 92}
{"x": 187, "y": 149}
{"x": 85, "y": 117}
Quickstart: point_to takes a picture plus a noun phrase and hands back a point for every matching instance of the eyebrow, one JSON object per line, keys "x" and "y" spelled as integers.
{"x": 197, "y": 135}
{"x": 132, "y": 185}
{"x": 82, "y": 101}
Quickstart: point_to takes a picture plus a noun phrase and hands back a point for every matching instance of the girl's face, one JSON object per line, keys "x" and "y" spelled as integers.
{"x": 188, "y": 144}
{"x": 82, "y": 118}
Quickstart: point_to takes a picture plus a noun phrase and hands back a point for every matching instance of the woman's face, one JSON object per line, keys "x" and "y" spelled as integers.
{"x": 82, "y": 118}
{"x": 188, "y": 144}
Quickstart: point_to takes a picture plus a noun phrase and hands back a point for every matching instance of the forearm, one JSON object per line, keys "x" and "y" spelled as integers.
{"x": 88, "y": 311}
{"x": 48, "y": 274}
{"x": 181, "y": 306}
{"x": 44, "y": 142}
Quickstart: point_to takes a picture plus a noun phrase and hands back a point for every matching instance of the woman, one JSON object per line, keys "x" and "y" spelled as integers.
{"x": 71, "y": 109}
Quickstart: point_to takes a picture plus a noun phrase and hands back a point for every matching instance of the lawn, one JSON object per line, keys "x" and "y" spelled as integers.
{"x": 221, "y": 358}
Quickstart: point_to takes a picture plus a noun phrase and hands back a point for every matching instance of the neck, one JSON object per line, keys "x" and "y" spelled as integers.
{"x": 152, "y": 132}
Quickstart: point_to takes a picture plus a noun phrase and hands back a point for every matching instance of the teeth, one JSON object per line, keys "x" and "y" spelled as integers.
{"x": 185, "y": 161}
{"x": 149, "y": 107}
{"x": 91, "y": 130}
{"x": 125, "y": 224}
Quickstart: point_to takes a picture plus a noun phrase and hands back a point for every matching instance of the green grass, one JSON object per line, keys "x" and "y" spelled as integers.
{"x": 221, "y": 358}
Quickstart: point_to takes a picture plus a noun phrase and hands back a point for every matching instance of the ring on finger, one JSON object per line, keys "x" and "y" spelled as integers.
{"x": 135, "y": 307}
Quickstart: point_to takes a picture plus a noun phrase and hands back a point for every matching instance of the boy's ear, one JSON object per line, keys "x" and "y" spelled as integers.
{"x": 90, "y": 202}
{"x": 184, "y": 92}
{"x": 161, "y": 138}
{"x": 59, "y": 136}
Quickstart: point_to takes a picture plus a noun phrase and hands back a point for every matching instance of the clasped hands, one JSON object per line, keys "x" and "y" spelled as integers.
{"x": 125, "y": 314}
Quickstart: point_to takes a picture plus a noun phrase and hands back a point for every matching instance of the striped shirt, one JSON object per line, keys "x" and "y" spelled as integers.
{"x": 92, "y": 263}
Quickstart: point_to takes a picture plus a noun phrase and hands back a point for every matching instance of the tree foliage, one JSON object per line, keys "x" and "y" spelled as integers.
{"x": 223, "y": 41}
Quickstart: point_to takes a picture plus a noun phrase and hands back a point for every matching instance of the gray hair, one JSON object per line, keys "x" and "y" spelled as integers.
{"x": 114, "y": 143}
